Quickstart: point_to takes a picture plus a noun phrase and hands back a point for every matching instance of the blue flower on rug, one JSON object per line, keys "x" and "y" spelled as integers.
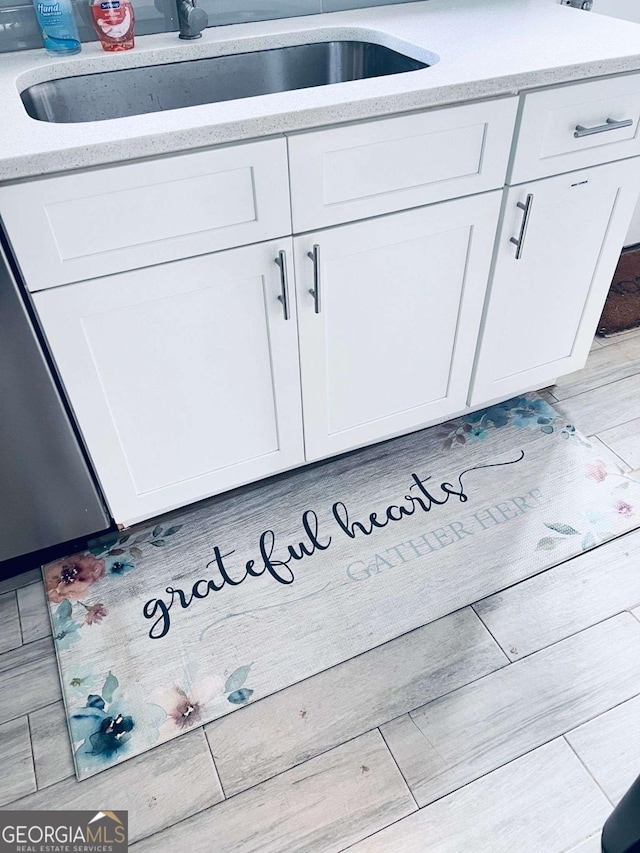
{"x": 117, "y": 565}
{"x": 532, "y": 413}
{"x": 102, "y": 727}
{"x": 477, "y": 433}
{"x": 522, "y": 412}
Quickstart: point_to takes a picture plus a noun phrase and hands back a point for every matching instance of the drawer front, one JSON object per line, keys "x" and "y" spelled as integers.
{"x": 578, "y": 125}
{"x": 94, "y": 223}
{"x": 347, "y": 173}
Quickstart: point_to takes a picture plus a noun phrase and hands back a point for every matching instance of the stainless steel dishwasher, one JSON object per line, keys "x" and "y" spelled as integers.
{"x": 47, "y": 492}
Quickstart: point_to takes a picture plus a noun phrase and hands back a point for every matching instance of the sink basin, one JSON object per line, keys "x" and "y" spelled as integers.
{"x": 134, "y": 91}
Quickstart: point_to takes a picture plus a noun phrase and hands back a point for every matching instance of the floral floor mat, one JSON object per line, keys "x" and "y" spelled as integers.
{"x": 168, "y": 626}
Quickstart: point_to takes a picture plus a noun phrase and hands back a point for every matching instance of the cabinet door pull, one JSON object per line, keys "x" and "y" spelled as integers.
{"x": 519, "y": 240}
{"x": 610, "y": 124}
{"x": 315, "y": 291}
{"x": 281, "y": 260}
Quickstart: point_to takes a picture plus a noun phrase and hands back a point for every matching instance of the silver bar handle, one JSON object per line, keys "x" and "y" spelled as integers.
{"x": 281, "y": 261}
{"x": 610, "y": 124}
{"x": 315, "y": 291}
{"x": 519, "y": 240}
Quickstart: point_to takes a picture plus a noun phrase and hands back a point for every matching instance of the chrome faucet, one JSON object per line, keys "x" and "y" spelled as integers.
{"x": 191, "y": 19}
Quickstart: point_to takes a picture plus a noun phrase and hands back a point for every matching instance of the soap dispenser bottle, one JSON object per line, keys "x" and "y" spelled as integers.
{"x": 58, "y": 26}
{"x": 113, "y": 21}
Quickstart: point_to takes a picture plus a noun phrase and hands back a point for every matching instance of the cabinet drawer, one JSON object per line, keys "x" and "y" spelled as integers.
{"x": 547, "y": 143}
{"x": 361, "y": 170}
{"x": 108, "y": 220}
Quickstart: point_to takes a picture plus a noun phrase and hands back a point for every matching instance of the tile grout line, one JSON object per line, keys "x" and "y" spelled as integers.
{"x": 572, "y": 396}
{"x": 33, "y": 758}
{"x": 598, "y": 785}
{"x": 251, "y": 787}
{"x": 574, "y": 634}
{"x": 617, "y": 337}
{"x": 213, "y": 760}
{"x": 471, "y": 781}
{"x": 15, "y": 598}
{"x": 393, "y": 758}
{"x": 15, "y": 592}
{"x": 596, "y": 387}
{"x": 490, "y": 632}
{"x": 412, "y": 710}
{"x": 20, "y": 586}
{"x": 615, "y": 452}
{"x": 358, "y": 734}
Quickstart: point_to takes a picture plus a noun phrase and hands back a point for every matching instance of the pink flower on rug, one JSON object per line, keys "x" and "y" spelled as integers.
{"x": 186, "y": 708}
{"x": 72, "y": 577}
{"x": 596, "y": 470}
{"x": 95, "y": 614}
{"x": 624, "y": 508}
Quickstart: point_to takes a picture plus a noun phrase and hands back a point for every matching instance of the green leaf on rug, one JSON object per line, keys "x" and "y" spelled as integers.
{"x": 102, "y": 544}
{"x": 109, "y": 688}
{"x": 157, "y": 542}
{"x": 157, "y": 531}
{"x": 123, "y": 539}
{"x": 63, "y": 613}
{"x": 135, "y": 552}
{"x": 563, "y": 528}
{"x": 237, "y": 679}
{"x": 547, "y": 543}
{"x": 588, "y": 541}
{"x": 173, "y": 530}
{"x": 239, "y": 697}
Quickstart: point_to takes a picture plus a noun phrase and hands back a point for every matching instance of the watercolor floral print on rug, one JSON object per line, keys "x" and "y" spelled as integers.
{"x": 532, "y": 413}
{"x": 103, "y": 722}
{"x": 102, "y": 718}
{"x": 72, "y": 583}
{"x": 595, "y": 526}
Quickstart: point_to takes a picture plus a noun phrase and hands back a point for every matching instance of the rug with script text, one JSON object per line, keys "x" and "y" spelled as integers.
{"x": 171, "y": 625}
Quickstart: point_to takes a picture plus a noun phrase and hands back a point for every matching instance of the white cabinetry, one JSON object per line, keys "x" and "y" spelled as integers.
{"x": 101, "y": 221}
{"x": 345, "y": 173}
{"x": 184, "y": 377}
{"x": 389, "y": 345}
{"x": 191, "y": 372}
{"x": 546, "y": 295}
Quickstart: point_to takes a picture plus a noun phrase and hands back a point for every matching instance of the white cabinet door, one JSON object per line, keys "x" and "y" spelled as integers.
{"x": 543, "y": 307}
{"x": 184, "y": 377}
{"x": 388, "y": 347}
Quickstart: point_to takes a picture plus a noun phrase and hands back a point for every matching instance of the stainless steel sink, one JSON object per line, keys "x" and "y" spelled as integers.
{"x": 129, "y": 92}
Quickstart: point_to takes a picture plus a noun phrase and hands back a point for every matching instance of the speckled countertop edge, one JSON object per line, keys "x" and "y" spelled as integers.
{"x": 498, "y": 47}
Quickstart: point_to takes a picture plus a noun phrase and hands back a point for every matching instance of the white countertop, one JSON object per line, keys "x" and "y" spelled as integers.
{"x": 485, "y": 48}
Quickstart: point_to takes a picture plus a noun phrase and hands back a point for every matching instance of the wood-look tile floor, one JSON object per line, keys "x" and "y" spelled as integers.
{"x": 512, "y": 725}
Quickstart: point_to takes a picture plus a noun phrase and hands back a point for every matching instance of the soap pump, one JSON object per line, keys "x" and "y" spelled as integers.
{"x": 113, "y": 21}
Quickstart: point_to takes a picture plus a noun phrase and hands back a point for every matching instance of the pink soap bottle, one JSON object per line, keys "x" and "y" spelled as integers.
{"x": 113, "y": 21}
